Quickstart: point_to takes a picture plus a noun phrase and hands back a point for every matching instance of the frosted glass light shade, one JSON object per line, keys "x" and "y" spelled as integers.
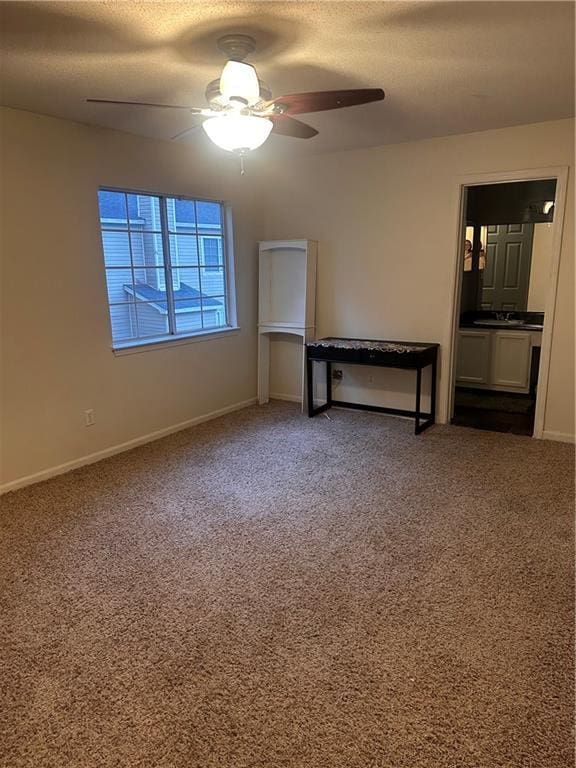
{"x": 237, "y": 132}
{"x": 240, "y": 80}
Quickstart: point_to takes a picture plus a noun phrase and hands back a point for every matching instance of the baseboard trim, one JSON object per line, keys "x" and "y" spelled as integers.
{"x": 92, "y": 458}
{"x": 562, "y": 437}
{"x": 289, "y": 398}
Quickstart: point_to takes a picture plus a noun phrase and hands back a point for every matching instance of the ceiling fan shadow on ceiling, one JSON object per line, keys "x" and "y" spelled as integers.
{"x": 242, "y": 113}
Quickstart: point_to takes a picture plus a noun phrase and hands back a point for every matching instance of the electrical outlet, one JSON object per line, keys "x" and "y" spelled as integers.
{"x": 89, "y": 417}
{"x": 337, "y": 374}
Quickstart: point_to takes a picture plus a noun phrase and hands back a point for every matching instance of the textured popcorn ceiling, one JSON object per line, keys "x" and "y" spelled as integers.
{"x": 446, "y": 68}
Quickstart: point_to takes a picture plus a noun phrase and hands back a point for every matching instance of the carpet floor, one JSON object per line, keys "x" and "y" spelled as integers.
{"x": 272, "y": 591}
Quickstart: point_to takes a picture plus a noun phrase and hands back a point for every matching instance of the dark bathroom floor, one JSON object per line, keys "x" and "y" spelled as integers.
{"x": 494, "y": 411}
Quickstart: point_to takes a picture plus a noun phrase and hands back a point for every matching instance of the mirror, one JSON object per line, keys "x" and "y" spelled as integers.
{"x": 508, "y": 246}
{"x": 513, "y": 263}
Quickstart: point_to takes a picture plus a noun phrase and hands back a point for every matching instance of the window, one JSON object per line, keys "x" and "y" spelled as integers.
{"x": 211, "y": 249}
{"x": 167, "y": 267}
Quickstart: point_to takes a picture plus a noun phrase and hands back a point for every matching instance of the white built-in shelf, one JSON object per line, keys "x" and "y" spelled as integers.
{"x": 287, "y": 285}
{"x": 286, "y": 299}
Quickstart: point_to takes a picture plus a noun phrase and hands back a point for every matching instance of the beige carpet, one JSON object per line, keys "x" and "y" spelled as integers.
{"x": 268, "y": 590}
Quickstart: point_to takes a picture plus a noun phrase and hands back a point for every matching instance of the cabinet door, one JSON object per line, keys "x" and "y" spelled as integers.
{"x": 473, "y": 364}
{"x": 511, "y": 359}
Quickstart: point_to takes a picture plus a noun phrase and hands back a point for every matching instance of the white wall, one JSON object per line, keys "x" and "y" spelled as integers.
{"x": 540, "y": 266}
{"x": 385, "y": 222}
{"x": 56, "y": 347}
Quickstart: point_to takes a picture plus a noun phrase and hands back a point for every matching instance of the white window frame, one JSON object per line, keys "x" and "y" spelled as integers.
{"x": 204, "y": 334}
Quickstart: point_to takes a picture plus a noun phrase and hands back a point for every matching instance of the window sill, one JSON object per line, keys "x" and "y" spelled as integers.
{"x": 165, "y": 342}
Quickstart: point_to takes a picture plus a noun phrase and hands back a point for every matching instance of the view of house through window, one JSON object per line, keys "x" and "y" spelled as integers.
{"x": 165, "y": 265}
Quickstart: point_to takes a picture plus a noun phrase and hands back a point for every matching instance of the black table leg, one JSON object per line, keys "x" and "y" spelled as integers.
{"x": 310, "y": 385}
{"x": 418, "y": 393}
{"x": 433, "y": 391}
{"x": 314, "y": 411}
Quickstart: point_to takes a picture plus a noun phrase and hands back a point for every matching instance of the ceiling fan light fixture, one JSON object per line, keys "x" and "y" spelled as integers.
{"x": 240, "y": 81}
{"x": 238, "y": 133}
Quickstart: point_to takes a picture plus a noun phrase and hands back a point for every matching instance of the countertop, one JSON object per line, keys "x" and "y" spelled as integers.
{"x": 503, "y": 326}
{"x": 531, "y": 321}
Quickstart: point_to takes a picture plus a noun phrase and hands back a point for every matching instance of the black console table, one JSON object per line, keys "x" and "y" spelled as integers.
{"x": 388, "y": 354}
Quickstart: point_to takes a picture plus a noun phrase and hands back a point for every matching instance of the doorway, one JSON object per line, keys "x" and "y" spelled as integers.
{"x": 505, "y": 286}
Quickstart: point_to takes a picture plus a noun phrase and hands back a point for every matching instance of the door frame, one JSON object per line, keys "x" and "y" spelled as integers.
{"x": 560, "y": 174}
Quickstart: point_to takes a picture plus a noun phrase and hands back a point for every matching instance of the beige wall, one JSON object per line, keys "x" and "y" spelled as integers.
{"x": 386, "y": 226}
{"x": 385, "y": 221}
{"x": 56, "y": 348}
{"x": 540, "y": 267}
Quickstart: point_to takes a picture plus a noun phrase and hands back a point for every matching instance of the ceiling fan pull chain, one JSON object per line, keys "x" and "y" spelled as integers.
{"x": 242, "y": 169}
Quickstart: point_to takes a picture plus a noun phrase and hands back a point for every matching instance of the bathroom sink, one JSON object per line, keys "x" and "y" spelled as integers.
{"x": 499, "y": 322}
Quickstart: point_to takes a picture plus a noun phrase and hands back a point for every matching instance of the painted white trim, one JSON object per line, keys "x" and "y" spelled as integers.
{"x": 289, "y": 398}
{"x": 454, "y": 314}
{"x": 561, "y": 437}
{"x": 560, "y": 173}
{"x": 229, "y": 265}
{"x": 92, "y": 458}
{"x": 274, "y": 245}
{"x": 550, "y": 306}
{"x": 165, "y": 342}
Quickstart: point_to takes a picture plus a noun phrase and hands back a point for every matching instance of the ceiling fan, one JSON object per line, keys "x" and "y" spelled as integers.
{"x": 242, "y": 113}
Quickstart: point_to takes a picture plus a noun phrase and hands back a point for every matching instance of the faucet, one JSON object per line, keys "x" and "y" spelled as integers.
{"x": 505, "y": 316}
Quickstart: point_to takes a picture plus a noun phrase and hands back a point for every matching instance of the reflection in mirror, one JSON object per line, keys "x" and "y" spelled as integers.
{"x": 505, "y": 281}
{"x": 514, "y": 267}
{"x": 468, "y": 247}
{"x": 540, "y": 267}
{"x": 511, "y": 263}
{"x": 508, "y": 246}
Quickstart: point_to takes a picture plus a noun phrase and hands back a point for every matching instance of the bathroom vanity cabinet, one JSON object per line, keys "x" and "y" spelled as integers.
{"x": 496, "y": 359}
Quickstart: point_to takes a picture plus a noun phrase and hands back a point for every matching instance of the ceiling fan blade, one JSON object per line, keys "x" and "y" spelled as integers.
{"x": 288, "y": 126}
{"x": 194, "y": 110}
{"x": 318, "y": 101}
{"x": 185, "y": 132}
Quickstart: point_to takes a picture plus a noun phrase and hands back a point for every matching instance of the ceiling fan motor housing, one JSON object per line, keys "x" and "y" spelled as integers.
{"x": 237, "y": 46}
{"x": 217, "y": 101}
